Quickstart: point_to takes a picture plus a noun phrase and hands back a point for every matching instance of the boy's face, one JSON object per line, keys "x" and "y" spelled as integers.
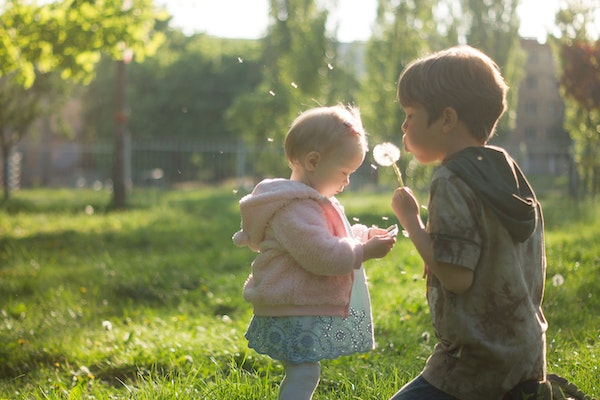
{"x": 422, "y": 139}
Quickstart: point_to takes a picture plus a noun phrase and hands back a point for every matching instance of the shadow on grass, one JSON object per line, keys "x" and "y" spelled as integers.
{"x": 176, "y": 258}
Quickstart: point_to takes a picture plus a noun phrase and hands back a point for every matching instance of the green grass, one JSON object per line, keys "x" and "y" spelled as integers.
{"x": 146, "y": 303}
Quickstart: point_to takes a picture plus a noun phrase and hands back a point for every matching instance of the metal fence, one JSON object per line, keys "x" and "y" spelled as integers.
{"x": 150, "y": 162}
{"x": 167, "y": 163}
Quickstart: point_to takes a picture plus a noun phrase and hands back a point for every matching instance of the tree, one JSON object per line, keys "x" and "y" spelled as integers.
{"x": 403, "y": 31}
{"x": 295, "y": 76}
{"x": 181, "y": 94}
{"x": 579, "y": 55}
{"x": 580, "y": 82}
{"x": 493, "y": 27}
{"x": 64, "y": 38}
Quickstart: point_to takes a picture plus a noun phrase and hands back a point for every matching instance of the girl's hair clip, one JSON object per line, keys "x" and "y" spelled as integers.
{"x": 352, "y": 128}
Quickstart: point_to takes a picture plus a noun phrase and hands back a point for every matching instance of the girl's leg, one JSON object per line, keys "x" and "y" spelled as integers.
{"x": 300, "y": 381}
{"x": 418, "y": 389}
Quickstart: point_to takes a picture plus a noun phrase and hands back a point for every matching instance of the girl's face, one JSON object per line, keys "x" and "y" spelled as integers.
{"x": 331, "y": 174}
{"x": 422, "y": 139}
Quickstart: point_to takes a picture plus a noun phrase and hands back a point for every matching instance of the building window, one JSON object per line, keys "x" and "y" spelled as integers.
{"x": 531, "y": 82}
{"x": 529, "y": 134}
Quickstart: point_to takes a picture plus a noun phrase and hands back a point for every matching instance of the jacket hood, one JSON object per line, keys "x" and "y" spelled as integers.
{"x": 258, "y": 207}
{"x": 495, "y": 177}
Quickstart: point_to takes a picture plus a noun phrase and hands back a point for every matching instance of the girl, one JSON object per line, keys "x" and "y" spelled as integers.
{"x": 308, "y": 287}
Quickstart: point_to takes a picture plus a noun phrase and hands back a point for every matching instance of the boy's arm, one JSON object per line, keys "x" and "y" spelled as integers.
{"x": 455, "y": 278}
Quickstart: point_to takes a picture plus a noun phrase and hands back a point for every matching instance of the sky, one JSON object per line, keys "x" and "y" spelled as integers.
{"x": 249, "y": 18}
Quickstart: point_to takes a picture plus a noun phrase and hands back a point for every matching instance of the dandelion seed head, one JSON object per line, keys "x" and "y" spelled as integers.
{"x": 386, "y": 154}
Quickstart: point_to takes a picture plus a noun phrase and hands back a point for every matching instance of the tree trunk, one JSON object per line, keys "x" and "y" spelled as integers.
{"x": 120, "y": 150}
{"x": 5, "y": 144}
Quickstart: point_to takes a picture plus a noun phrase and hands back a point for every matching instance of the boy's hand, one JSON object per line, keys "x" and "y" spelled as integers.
{"x": 405, "y": 206}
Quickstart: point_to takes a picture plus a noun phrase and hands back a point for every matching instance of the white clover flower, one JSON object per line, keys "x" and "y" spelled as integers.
{"x": 386, "y": 154}
{"x": 558, "y": 280}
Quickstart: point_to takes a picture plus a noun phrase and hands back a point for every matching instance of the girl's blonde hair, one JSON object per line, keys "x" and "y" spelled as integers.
{"x": 322, "y": 129}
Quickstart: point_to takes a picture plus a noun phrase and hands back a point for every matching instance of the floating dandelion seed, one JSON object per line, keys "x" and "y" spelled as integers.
{"x": 330, "y": 66}
{"x": 270, "y": 140}
{"x": 386, "y": 154}
{"x": 294, "y": 85}
{"x": 272, "y": 93}
{"x": 355, "y": 219}
{"x": 240, "y": 60}
{"x": 558, "y": 280}
{"x": 374, "y": 167}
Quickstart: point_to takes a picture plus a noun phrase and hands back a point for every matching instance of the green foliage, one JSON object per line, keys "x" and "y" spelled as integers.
{"x": 62, "y": 39}
{"x": 183, "y": 92}
{"x": 579, "y": 54}
{"x": 146, "y": 303}
{"x": 69, "y": 36}
{"x": 301, "y": 70}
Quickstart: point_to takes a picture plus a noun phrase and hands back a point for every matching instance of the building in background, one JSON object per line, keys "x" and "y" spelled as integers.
{"x": 539, "y": 141}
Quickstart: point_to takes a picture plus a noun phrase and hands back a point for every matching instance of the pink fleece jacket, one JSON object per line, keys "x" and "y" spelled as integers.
{"x": 306, "y": 256}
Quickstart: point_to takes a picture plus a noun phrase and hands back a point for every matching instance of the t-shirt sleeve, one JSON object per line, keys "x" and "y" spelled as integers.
{"x": 453, "y": 223}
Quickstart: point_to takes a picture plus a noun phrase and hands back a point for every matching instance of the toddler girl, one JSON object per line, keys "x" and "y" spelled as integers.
{"x": 307, "y": 286}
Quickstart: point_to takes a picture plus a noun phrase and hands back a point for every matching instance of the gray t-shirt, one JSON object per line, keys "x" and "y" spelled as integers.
{"x": 493, "y": 336}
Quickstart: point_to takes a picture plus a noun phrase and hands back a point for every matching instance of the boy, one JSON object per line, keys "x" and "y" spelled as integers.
{"x": 483, "y": 246}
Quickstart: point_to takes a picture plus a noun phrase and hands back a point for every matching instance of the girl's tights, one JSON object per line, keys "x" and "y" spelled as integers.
{"x": 300, "y": 381}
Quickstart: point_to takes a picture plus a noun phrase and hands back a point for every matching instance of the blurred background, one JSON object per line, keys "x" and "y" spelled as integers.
{"x": 116, "y": 94}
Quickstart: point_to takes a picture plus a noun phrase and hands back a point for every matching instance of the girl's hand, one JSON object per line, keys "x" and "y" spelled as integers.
{"x": 376, "y": 231}
{"x": 378, "y": 246}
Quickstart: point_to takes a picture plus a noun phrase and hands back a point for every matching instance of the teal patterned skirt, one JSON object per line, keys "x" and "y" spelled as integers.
{"x": 314, "y": 338}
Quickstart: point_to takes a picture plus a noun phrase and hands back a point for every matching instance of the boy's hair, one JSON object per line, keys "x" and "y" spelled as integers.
{"x": 462, "y": 78}
{"x": 322, "y": 129}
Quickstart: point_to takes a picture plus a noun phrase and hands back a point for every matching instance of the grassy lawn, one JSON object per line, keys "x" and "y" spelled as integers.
{"x": 146, "y": 303}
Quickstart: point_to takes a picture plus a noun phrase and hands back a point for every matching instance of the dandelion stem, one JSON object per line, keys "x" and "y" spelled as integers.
{"x": 398, "y": 174}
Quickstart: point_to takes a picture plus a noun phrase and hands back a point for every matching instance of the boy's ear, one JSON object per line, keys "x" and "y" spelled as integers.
{"x": 312, "y": 160}
{"x": 450, "y": 118}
